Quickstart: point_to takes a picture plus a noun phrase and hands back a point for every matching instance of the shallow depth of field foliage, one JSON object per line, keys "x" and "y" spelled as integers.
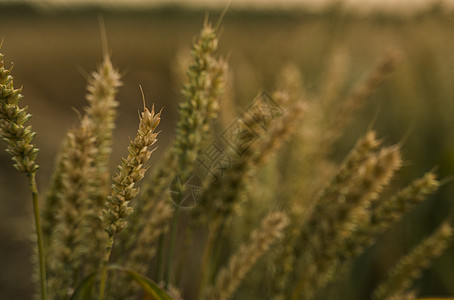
{"x": 317, "y": 149}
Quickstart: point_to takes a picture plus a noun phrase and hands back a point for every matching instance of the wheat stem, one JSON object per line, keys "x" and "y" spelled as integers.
{"x": 102, "y": 285}
{"x": 172, "y": 242}
{"x": 160, "y": 259}
{"x": 206, "y": 258}
{"x": 39, "y": 235}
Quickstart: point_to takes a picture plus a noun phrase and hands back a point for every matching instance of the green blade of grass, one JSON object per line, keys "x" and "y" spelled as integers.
{"x": 85, "y": 288}
{"x": 149, "y": 286}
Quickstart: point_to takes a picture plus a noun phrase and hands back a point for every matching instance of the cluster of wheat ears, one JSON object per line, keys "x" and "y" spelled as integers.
{"x": 100, "y": 237}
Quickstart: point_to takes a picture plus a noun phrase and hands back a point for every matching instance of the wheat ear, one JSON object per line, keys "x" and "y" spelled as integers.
{"x": 278, "y": 133}
{"x": 335, "y": 226}
{"x": 101, "y": 110}
{"x": 385, "y": 212}
{"x": 363, "y": 149}
{"x": 202, "y": 90}
{"x": 131, "y": 170}
{"x": 68, "y": 241}
{"x": 13, "y": 128}
{"x": 229, "y": 278}
{"x": 410, "y": 267}
{"x": 102, "y": 88}
{"x": 364, "y": 89}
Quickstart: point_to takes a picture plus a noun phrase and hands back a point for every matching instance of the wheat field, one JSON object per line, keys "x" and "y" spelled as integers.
{"x": 340, "y": 189}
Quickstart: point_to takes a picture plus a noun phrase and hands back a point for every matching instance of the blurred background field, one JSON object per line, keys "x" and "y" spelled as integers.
{"x": 54, "y": 49}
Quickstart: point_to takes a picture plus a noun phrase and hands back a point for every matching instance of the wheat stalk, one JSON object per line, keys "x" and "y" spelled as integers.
{"x": 18, "y": 136}
{"x": 131, "y": 170}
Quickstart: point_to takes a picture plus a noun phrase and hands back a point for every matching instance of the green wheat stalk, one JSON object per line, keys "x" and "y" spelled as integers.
{"x": 18, "y": 137}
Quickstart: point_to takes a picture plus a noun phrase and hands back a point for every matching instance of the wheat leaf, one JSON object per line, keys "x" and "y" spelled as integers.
{"x": 85, "y": 288}
{"x": 149, "y": 286}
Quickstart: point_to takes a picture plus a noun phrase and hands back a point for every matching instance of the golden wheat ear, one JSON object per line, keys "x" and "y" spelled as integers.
{"x": 327, "y": 230}
{"x": 67, "y": 248}
{"x": 131, "y": 170}
{"x": 102, "y": 111}
{"x": 294, "y": 239}
{"x": 202, "y": 91}
{"x": 386, "y": 212}
{"x": 378, "y": 217}
{"x": 79, "y": 186}
{"x": 101, "y": 114}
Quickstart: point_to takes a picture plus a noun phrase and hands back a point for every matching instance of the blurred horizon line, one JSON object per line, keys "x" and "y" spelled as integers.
{"x": 403, "y": 7}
